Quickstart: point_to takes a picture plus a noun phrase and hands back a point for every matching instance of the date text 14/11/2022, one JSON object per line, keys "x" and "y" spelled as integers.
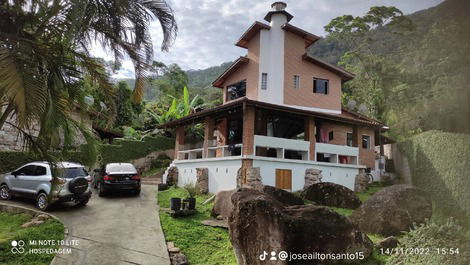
{"x": 419, "y": 251}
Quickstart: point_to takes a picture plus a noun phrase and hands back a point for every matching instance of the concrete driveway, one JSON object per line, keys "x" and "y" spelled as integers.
{"x": 120, "y": 229}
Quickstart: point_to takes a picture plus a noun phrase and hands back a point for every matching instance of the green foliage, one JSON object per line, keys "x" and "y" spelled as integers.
{"x": 191, "y": 189}
{"x": 201, "y": 244}
{"x": 434, "y": 236}
{"x": 124, "y": 150}
{"x": 439, "y": 165}
{"x": 10, "y": 229}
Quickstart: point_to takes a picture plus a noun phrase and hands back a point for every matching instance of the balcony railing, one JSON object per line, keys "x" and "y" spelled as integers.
{"x": 284, "y": 148}
{"x": 212, "y": 152}
{"x": 339, "y": 154}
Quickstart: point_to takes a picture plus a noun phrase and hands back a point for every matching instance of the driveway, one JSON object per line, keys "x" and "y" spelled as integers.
{"x": 114, "y": 230}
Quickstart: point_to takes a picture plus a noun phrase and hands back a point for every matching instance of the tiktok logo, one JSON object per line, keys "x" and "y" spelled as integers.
{"x": 263, "y": 256}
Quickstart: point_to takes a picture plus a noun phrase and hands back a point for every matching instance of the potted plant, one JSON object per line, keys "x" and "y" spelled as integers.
{"x": 190, "y": 200}
{"x": 175, "y": 204}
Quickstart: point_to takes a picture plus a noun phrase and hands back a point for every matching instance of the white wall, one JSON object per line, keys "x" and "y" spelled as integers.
{"x": 339, "y": 174}
{"x": 222, "y": 173}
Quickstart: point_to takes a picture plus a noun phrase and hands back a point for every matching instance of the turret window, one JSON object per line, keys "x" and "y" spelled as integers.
{"x": 237, "y": 90}
{"x": 264, "y": 81}
{"x": 296, "y": 81}
{"x": 320, "y": 86}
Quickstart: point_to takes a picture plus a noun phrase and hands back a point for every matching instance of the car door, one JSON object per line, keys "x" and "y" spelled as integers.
{"x": 38, "y": 176}
{"x": 21, "y": 177}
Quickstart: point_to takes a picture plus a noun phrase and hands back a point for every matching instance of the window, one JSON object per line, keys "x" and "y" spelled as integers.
{"x": 40, "y": 171}
{"x": 236, "y": 90}
{"x": 26, "y": 171}
{"x": 366, "y": 141}
{"x": 73, "y": 172}
{"x": 264, "y": 81}
{"x": 296, "y": 81}
{"x": 320, "y": 86}
{"x": 331, "y": 136}
{"x": 349, "y": 139}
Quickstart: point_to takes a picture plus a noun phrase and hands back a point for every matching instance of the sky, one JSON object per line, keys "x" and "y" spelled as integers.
{"x": 208, "y": 29}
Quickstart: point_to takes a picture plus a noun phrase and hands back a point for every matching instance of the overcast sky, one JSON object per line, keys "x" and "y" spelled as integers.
{"x": 208, "y": 29}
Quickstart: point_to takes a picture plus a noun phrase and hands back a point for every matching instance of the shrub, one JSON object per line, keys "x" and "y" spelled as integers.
{"x": 433, "y": 237}
{"x": 191, "y": 189}
{"x": 439, "y": 165}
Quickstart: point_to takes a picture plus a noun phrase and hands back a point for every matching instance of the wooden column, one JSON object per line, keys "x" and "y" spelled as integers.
{"x": 248, "y": 129}
{"x": 209, "y": 124}
{"x": 179, "y": 141}
{"x": 309, "y": 135}
{"x": 356, "y": 137}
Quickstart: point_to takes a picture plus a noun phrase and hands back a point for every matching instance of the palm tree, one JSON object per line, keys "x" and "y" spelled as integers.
{"x": 44, "y": 57}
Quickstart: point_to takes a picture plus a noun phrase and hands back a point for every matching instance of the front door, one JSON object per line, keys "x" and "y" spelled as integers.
{"x": 284, "y": 179}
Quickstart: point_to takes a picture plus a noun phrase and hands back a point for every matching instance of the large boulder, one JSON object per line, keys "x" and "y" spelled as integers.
{"x": 259, "y": 223}
{"x": 223, "y": 204}
{"x": 312, "y": 176}
{"x": 172, "y": 176}
{"x": 392, "y": 210}
{"x": 283, "y": 196}
{"x": 331, "y": 194}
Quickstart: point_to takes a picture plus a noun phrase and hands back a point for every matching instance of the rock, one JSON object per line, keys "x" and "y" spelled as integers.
{"x": 361, "y": 182}
{"x": 223, "y": 204}
{"x": 202, "y": 180}
{"x": 33, "y": 222}
{"x": 216, "y": 223}
{"x": 219, "y": 217}
{"x": 312, "y": 176}
{"x": 178, "y": 259}
{"x": 260, "y": 223}
{"x": 162, "y": 186}
{"x": 172, "y": 177}
{"x": 283, "y": 196}
{"x": 392, "y": 210}
{"x": 170, "y": 244}
{"x": 174, "y": 250}
{"x": 389, "y": 242}
{"x": 331, "y": 194}
{"x": 42, "y": 217}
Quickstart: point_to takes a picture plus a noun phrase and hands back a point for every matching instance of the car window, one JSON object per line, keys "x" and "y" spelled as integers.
{"x": 73, "y": 172}
{"x": 40, "y": 171}
{"x": 116, "y": 168}
{"x": 27, "y": 170}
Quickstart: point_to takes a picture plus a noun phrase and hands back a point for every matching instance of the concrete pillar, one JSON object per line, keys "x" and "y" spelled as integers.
{"x": 248, "y": 129}
{"x": 209, "y": 124}
{"x": 309, "y": 135}
{"x": 179, "y": 141}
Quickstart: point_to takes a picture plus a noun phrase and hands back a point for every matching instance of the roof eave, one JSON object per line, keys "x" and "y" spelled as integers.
{"x": 345, "y": 75}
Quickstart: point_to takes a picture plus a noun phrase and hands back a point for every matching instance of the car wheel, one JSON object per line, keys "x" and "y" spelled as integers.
{"x": 42, "y": 202}
{"x": 5, "y": 193}
{"x": 101, "y": 191}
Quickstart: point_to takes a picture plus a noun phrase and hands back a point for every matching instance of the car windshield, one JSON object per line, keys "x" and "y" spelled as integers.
{"x": 73, "y": 172}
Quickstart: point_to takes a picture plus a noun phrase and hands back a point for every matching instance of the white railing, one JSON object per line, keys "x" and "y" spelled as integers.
{"x": 282, "y": 145}
{"x": 333, "y": 151}
{"x": 212, "y": 152}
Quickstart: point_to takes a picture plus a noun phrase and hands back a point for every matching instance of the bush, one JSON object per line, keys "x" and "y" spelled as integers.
{"x": 191, "y": 189}
{"x": 439, "y": 163}
{"x": 433, "y": 237}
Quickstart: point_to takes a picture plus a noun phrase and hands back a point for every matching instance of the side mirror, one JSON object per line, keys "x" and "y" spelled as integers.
{"x": 14, "y": 173}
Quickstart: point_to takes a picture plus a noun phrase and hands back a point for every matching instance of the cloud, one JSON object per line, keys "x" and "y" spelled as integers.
{"x": 208, "y": 29}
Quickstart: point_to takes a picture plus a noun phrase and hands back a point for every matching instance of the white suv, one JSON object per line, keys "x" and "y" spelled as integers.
{"x": 35, "y": 180}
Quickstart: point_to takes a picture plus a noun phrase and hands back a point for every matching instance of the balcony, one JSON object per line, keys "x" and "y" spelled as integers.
{"x": 281, "y": 148}
{"x": 337, "y": 154}
{"x": 196, "y": 151}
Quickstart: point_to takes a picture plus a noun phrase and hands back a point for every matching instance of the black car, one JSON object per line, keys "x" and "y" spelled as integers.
{"x": 116, "y": 177}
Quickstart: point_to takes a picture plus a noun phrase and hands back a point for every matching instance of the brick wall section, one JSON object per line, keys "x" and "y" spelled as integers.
{"x": 295, "y": 65}
{"x": 339, "y": 132}
{"x": 309, "y": 135}
{"x": 248, "y": 72}
{"x": 209, "y": 124}
{"x": 179, "y": 141}
{"x": 367, "y": 156}
{"x": 248, "y": 130}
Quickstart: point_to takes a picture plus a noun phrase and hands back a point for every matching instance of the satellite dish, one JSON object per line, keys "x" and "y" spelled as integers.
{"x": 362, "y": 108}
{"x": 89, "y": 100}
{"x": 351, "y": 104}
{"x": 103, "y": 106}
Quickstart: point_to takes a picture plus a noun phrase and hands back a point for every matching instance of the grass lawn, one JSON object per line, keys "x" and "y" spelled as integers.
{"x": 208, "y": 245}
{"x": 10, "y": 229}
{"x": 201, "y": 244}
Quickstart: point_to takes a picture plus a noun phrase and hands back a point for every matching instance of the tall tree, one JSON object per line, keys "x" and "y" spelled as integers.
{"x": 44, "y": 56}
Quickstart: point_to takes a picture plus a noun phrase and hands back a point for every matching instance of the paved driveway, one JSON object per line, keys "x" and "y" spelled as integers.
{"x": 114, "y": 230}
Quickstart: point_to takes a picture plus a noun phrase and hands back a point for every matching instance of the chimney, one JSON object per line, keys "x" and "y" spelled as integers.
{"x": 278, "y": 14}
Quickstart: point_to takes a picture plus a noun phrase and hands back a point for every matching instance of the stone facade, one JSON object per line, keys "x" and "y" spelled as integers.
{"x": 361, "y": 182}
{"x": 312, "y": 176}
{"x": 202, "y": 180}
